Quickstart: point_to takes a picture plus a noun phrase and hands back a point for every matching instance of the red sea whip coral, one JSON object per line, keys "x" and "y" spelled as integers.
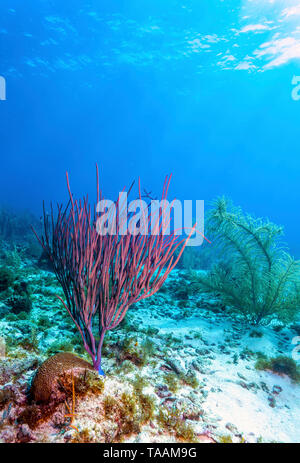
{"x": 102, "y": 275}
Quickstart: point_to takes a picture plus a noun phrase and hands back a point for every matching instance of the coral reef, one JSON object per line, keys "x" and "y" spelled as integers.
{"x": 6, "y": 278}
{"x": 255, "y": 277}
{"x": 181, "y": 367}
{"x": 45, "y": 383}
{"x": 103, "y": 274}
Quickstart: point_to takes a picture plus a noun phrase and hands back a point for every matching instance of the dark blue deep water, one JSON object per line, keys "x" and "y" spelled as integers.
{"x": 200, "y": 89}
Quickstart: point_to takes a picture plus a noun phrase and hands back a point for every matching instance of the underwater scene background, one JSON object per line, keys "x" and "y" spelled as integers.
{"x": 210, "y": 93}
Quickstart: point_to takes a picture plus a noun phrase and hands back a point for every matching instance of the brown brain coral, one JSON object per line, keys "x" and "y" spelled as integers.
{"x": 45, "y": 386}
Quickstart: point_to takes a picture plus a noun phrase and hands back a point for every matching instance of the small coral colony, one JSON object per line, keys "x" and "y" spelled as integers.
{"x": 104, "y": 336}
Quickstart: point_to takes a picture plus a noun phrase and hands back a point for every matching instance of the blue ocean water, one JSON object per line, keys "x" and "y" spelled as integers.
{"x": 202, "y": 91}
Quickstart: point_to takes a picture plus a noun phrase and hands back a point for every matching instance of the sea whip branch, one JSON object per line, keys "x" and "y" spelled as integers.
{"x": 102, "y": 275}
